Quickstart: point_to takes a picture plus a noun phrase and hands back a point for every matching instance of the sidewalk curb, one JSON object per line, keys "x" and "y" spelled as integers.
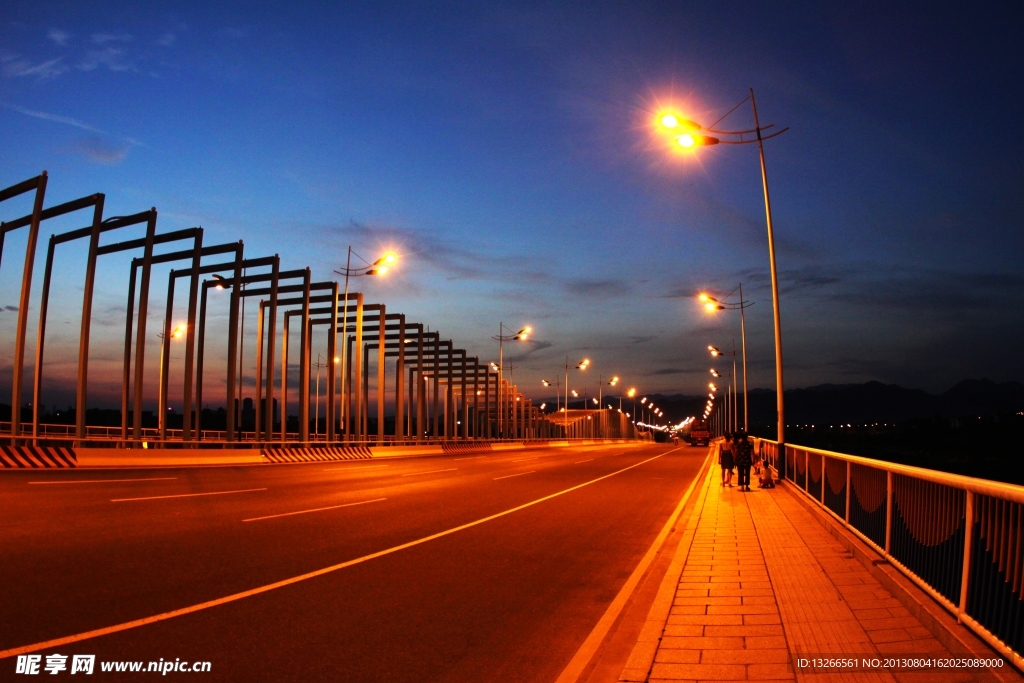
{"x": 641, "y": 659}
{"x": 956, "y": 638}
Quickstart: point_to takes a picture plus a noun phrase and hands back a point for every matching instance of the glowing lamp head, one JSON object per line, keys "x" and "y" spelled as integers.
{"x": 631, "y": 393}
{"x": 710, "y": 306}
{"x": 686, "y": 141}
{"x": 669, "y": 121}
{"x": 575, "y": 393}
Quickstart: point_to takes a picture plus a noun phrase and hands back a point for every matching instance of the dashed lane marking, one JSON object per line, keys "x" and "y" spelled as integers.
{"x": 413, "y": 474}
{"x": 186, "y": 495}
{"x": 164, "y": 616}
{"x": 302, "y": 512}
{"x": 525, "y": 459}
{"x": 101, "y": 481}
{"x": 583, "y": 461}
{"x": 514, "y": 475}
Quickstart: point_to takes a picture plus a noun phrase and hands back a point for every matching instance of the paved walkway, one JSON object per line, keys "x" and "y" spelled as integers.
{"x": 763, "y": 583}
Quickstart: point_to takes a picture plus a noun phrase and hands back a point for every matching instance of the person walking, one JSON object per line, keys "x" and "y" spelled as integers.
{"x": 726, "y": 459}
{"x": 744, "y": 460}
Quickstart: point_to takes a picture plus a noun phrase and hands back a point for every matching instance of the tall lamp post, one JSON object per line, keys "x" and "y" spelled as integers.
{"x": 712, "y": 304}
{"x": 582, "y": 365}
{"x": 501, "y": 338}
{"x": 715, "y": 352}
{"x": 686, "y": 135}
{"x": 378, "y": 267}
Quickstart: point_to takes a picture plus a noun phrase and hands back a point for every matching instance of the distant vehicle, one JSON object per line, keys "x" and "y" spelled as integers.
{"x": 699, "y": 433}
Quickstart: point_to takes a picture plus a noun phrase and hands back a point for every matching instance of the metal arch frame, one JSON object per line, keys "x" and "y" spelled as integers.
{"x": 39, "y": 185}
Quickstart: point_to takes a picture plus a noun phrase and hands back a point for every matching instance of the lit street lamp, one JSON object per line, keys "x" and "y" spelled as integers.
{"x": 713, "y": 305}
{"x": 501, "y": 338}
{"x": 683, "y": 132}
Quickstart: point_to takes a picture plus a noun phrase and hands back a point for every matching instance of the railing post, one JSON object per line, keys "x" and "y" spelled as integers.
{"x": 821, "y": 478}
{"x": 849, "y": 485}
{"x": 807, "y": 471}
{"x": 968, "y": 549}
{"x": 888, "y": 512}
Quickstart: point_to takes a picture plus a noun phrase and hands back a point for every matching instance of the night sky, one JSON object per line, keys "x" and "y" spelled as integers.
{"x": 506, "y": 152}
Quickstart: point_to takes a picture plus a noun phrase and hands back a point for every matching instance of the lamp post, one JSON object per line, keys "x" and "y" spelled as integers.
{"x": 582, "y": 365}
{"x": 378, "y": 267}
{"x": 501, "y": 338}
{"x": 715, "y": 352}
{"x": 684, "y": 133}
{"x": 712, "y": 305}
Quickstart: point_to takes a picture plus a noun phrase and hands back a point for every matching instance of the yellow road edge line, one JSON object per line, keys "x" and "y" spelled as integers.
{"x": 589, "y": 648}
{"x": 145, "y": 621}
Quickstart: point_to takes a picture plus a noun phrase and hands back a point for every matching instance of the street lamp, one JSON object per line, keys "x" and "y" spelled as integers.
{"x": 713, "y": 305}
{"x": 582, "y": 365}
{"x": 715, "y": 352}
{"x": 671, "y": 123}
{"x": 378, "y": 267}
{"x": 501, "y": 338}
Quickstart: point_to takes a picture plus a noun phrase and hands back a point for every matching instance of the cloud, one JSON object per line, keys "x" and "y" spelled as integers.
{"x": 68, "y": 121}
{"x": 101, "y": 151}
{"x": 667, "y": 371}
{"x": 58, "y": 36}
{"x": 104, "y": 38}
{"x": 54, "y": 117}
{"x": 16, "y": 67}
{"x": 13, "y": 309}
{"x": 596, "y": 288}
{"x": 167, "y": 40}
{"x": 641, "y": 340}
{"x": 111, "y": 57}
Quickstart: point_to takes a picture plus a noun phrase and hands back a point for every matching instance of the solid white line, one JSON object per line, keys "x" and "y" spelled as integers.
{"x": 413, "y": 474}
{"x": 525, "y": 459}
{"x": 302, "y": 512}
{"x": 583, "y": 461}
{"x": 514, "y": 475}
{"x": 354, "y": 467}
{"x": 95, "y": 633}
{"x": 100, "y": 481}
{"x": 185, "y": 495}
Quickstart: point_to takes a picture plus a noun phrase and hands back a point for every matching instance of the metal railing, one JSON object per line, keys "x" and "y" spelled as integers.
{"x": 959, "y": 538}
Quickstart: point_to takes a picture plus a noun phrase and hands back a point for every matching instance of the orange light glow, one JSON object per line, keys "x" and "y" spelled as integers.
{"x": 710, "y": 306}
{"x": 686, "y": 141}
{"x": 670, "y": 121}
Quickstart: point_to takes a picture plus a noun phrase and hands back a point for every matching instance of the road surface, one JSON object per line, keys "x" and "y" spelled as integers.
{"x": 454, "y": 568}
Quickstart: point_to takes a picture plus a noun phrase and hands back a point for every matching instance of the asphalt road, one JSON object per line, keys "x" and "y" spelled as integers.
{"x": 507, "y": 598}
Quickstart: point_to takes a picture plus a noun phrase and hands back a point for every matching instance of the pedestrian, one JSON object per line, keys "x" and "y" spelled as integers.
{"x": 744, "y": 459}
{"x": 726, "y": 459}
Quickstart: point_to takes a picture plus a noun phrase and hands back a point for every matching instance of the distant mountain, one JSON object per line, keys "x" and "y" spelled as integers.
{"x": 865, "y": 403}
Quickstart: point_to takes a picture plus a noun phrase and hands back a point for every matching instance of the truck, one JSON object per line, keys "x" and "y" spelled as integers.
{"x": 699, "y": 433}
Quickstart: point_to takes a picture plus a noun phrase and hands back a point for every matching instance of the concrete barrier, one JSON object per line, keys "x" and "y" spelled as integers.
{"x": 136, "y": 457}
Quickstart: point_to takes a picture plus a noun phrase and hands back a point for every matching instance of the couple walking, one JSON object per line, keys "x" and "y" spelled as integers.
{"x": 738, "y": 452}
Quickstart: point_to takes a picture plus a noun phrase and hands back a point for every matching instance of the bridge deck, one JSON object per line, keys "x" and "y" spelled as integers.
{"x": 762, "y": 583}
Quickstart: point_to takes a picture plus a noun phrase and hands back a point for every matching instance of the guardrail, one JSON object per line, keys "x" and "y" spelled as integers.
{"x": 961, "y": 539}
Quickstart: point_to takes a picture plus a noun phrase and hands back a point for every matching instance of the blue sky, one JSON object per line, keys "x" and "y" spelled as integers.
{"x": 504, "y": 149}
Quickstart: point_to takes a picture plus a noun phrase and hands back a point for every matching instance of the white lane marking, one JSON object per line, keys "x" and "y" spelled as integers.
{"x": 583, "y": 461}
{"x": 471, "y": 457}
{"x": 302, "y": 512}
{"x": 354, "y": 467}
{"x": 107, "y": 630}
{"x": 100, "y": 481}
{"x": 514, "y": 475}
{"x": 413, "y": 474}
{"x": 185, "y": 495}
{"x": 525, "y": 459}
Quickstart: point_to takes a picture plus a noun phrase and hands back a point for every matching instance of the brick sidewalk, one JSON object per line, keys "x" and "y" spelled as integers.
{"x": 763, "y": 582}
